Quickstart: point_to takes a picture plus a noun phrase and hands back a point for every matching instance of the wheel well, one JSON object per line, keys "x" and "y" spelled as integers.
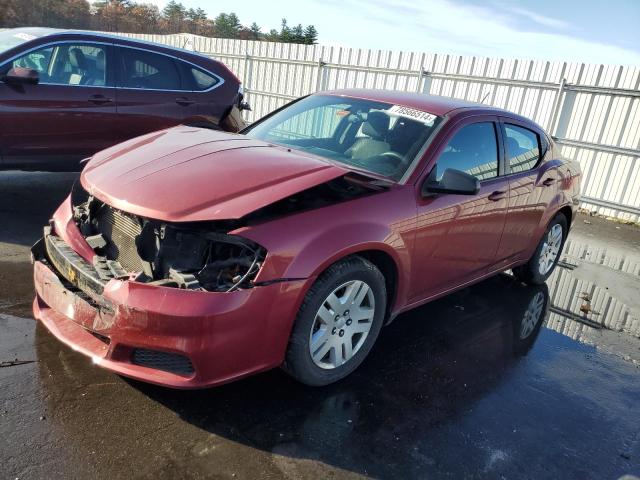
{"x": 389, "y": 270}
{"x": 566, "y": 211}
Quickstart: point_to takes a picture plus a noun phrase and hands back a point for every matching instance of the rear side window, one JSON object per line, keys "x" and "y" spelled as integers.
{"x": 473, "y": 149}
{"x": 522, "y": 148}
{"x": 147, "y": 70}
{"x": 196, "y": 79}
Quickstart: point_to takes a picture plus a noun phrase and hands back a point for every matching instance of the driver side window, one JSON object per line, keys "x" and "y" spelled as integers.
{"x": 67, "y": 64}
{"x": 473, "y": 149}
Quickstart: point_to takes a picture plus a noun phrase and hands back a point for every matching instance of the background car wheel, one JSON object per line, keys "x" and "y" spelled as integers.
{"x": 547, "y": 254}
{"x": 338, "y": 322}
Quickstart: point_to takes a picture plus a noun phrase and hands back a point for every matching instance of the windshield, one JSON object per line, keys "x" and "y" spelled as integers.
{"x": 13, "y": 38}
{"x": 377, "y": 137}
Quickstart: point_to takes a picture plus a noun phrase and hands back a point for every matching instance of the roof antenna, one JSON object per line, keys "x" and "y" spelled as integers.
{"x": 485, "y": 97}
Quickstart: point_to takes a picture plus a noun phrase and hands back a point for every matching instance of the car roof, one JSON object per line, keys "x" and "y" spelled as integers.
{"x": 429, "y": 103}
{"x": 40, "y": 32}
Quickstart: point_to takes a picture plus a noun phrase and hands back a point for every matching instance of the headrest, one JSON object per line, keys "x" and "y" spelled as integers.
{"x": 77, "y": 59}
{"x": 377, "y": 125}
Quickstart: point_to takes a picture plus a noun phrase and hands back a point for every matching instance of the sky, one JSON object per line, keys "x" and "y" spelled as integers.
{"x": 595, "y": 31}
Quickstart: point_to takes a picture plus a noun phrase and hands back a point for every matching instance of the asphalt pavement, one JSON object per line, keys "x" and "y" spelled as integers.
{"x": 451, "y": 390}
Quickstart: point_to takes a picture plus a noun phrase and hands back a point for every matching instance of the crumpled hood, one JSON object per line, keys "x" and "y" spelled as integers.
{"x": 193, "y": 174}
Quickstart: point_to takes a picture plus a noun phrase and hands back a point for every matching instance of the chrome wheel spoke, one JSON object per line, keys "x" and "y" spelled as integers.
{"x": 321, "y": 351}
{"x": 334, "y": 302}
{"x": 325, "y": 315}
{"x": 362, "y": 313}
{"x": 347, "y": 348}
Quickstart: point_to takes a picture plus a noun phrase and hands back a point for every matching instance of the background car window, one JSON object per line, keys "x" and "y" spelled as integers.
{"x": 67, "y": 64}
{"x": 147, "y": 70}
{"x": 37, "y": 60}
{"x": 195, "y": 79}
{"x": 522, "y": 148}
{"x": 474, "y": 150}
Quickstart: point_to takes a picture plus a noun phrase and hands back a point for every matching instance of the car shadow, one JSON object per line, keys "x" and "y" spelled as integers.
{"x": 428, "y": 366}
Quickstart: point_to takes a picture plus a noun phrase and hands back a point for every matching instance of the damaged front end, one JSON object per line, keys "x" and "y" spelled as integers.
{"x": 195, "y": 256}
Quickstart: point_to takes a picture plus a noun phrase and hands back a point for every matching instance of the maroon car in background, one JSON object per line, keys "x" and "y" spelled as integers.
{"x": 189, "y": 257}
{"x": 65, "y": 95}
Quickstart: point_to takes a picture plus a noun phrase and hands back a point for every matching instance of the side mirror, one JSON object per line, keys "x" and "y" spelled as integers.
{"x": 22, "y": 76}
{"x": 453, "y": 181}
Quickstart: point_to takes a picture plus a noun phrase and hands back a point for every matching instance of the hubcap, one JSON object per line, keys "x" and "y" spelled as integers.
{"x": 532, "y": 315}
{"x": 342, "y": 324}
{"x": 550, "y": 249}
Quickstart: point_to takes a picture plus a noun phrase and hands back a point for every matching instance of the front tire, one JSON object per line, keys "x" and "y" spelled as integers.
{"x": 545, "y": 258}
{"x": 338, "y": 322}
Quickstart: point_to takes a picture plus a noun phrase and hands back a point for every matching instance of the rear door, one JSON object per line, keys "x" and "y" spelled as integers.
{"x": 150, "y": 93}
{"x": 69, "y": 115}
{"x": 533, "y": 184}
{"x": 201, "y": 86}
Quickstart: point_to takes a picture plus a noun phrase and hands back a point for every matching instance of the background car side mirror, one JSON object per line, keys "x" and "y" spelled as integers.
{"x": 453, "y": 181}
{"x": 22, "y": 76}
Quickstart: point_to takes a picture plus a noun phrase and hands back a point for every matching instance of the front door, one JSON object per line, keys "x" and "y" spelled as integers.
{"x": 69, "y": 115}
{"x": 457, "y": 236}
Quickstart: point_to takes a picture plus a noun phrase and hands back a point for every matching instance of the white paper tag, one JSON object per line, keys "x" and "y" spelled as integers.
{"x": 412, "y": 113}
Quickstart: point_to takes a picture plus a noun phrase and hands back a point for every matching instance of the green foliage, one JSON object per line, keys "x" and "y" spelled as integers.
{"x": 141, "y": 17}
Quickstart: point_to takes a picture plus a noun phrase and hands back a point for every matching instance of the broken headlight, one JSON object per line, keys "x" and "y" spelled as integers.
{"x": 212, "y": 261}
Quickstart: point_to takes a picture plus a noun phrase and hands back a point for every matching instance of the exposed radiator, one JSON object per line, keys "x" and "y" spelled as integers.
{"x": 120, "y": 231}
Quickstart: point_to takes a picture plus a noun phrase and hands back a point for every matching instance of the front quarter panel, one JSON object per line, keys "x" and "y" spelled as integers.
{"x": 303, "y": 245}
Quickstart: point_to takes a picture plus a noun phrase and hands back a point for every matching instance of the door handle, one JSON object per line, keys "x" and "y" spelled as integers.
{"x": 99, "y": 99}
{"x": 185, "y": 102}
{"x": 497, "y": 195}
{"x": 548, "y": 182}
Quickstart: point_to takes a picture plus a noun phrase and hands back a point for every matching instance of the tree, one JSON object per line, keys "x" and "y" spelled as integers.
{"x": 254, "y": 31}
{"x": 227, "y": 25}
{"x": 310, "y": 35}
{"x": 134, "y": 17}
{"x": 285, "y": 32}
{"x": 174, "y": 15}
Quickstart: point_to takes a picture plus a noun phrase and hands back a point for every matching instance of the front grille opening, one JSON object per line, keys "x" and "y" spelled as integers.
{"x": 168, "y": 362}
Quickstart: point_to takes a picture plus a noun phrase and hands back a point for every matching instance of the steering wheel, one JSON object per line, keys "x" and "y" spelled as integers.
{"x": 394, "y": 155}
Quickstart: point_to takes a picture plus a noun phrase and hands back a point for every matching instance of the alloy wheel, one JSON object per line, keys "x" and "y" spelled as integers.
{"x": 342, "y": 324}
{"x": 550, "y": 249}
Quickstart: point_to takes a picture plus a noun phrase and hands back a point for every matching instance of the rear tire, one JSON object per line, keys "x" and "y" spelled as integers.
{"x": 545, "y": 258}
{"x": 338, "y": 322}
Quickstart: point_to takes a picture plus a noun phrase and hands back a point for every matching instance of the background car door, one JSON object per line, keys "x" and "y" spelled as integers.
{"x": 531, "y": 188}
{"x": 457, "y": 236}
{"x": 150, "y": 95}
{"x": 200, "y": 86}
{"x": 69, "y": 115}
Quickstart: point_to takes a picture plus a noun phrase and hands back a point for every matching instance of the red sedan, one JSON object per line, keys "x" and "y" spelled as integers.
{"x": 190, "y": 258}
{"x": 64, "y": 95}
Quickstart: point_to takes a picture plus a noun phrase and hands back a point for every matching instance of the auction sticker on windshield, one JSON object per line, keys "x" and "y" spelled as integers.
{"x": 418, "y": 115}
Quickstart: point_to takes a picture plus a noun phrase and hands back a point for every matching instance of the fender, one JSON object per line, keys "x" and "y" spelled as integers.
{"x": 375, "y": 222}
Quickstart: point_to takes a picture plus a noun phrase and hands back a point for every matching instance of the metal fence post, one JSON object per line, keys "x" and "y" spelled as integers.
{"x": 426, "y": 85}
{"x": 555, "y": 112}
{"x": 320, "y": 75}
{"x": 248, "y": 70}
